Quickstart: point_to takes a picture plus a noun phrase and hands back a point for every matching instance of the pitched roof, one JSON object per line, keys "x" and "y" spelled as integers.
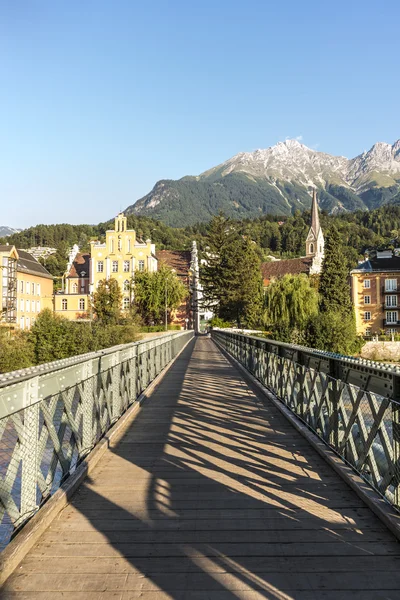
{"x": 80, "y": 265}
{"x": 315, "y": 226}
{"x": 176, "y": 259}
{"x": 379, "y": 264}
{"x": 28, "y": 264}
{"x": 291, "y": 266}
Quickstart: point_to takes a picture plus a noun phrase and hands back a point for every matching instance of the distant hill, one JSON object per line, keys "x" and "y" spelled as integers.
{"x": 277, "y": 181}
{"x": 5, "y": 231}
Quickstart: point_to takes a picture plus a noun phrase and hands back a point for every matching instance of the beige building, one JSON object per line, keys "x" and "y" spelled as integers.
{"x": 375, "y": 287}
{"x": 118, "y": 257}
{"x": 26, "y": 287}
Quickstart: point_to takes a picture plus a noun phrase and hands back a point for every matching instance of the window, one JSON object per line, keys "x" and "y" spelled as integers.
{"x": 33, "y": 289}
{"x": 64, "y": 304}
{"x": 126, "y": 285}
{"x": 100, "y": 266}
{"x": 38, "y": 289}
{"x": 128, "y": 243}
{"x": 367, "y": 299}
{"x": 28, "y": 287}
{"x": 75, "y": 288}
{"x": 33, "y": 307}
{"x": 112, "y": 246}
{"x": 390, "y": 331}
{"x": 390, "y": 285}
{"x": 22, "y": 305}
{"x": 28, "y": 306}
{"x": 38, "y": 306}
{"x": 126, "y": 266}
{"x": 311, "y": 248}
{"x": 141, "y": 265}
{"x": 367, "y": 316}
{"x": 28, "y": 322}
{"x": 391, "y": 301}
{"x": 126, "y": 303}
{"x": 119, "y": 243}
{"x": 391, "y": 316}
{"x": 21, "y": 287}
{"x": 82, "y": 304}
{"x": 367, "y": 283}
{"x": 115, "y": 266}
{"x": 368, "y": 332}
{"x": 22, "y": 323}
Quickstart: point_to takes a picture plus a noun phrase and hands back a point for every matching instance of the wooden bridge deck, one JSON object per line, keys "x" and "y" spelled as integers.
{"x": 211, "y": 495}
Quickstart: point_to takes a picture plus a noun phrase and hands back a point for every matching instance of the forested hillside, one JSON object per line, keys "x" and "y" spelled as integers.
{"x": 281, "y": 236}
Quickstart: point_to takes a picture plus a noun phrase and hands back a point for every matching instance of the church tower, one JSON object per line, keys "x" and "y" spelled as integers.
{"x": 315, "y": 240}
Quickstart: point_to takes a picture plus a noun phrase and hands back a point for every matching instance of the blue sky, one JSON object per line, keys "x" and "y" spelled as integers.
{"x": 101, "y": 99}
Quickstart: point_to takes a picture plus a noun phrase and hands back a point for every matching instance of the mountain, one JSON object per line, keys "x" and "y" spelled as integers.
{"x": 278, "y": 181}
{"x": 5, "y": 231}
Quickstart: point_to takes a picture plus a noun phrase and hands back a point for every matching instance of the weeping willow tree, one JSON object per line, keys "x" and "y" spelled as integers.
{"x": 155, "y": 292}
{"x": 290, "y": 304}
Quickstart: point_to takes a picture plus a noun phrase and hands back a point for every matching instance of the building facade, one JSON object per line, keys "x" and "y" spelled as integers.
{"x": 26, "y": 287}
{"x": 118, "y": 257}
{"x": 375, "y": 287}
{"x": 311, "y": 264}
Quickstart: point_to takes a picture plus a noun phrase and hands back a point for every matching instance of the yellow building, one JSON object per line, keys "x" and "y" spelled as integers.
{"x": 27, "y": 287}
{"x": 375, "y": 285}
{"x": 118, "y": 257}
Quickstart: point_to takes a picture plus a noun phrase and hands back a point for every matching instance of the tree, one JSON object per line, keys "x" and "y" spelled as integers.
{"x": 106, "y": 303}
{"x": 231, "y": 275}
{"x": 156, "y": 291}
{"x": 335, "y": 328}
{"x": 334, "y": 285}
{"x": 290, "y": 303}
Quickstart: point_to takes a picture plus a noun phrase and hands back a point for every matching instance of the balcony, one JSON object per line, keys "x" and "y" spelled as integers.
{"x": 387, "y": 323}
{"x": 385, "y": 291}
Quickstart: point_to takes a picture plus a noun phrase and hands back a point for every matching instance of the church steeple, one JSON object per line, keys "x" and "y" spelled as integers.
{"x": 315, "y": 240}
{"x": 315, "y": 226}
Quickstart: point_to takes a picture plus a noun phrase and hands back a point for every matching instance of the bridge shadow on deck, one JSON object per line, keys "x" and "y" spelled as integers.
{"x": 212, "y": 495}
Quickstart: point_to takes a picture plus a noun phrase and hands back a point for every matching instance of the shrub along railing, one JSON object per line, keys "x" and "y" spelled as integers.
{"x": 51, "y": 416}
{"x": 353, "y": 405}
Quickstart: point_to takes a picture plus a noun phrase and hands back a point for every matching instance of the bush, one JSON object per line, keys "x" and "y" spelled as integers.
{"x": 334, "y": 332}
{"x": 16, "y": 351}
{"x": 218, "y": 322}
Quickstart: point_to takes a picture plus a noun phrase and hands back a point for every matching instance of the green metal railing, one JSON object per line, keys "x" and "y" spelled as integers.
{"x": 353, "y": 405}
{"x": 51, "y": 416}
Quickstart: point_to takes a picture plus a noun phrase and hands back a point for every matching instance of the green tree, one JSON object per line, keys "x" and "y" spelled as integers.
{"x": 334, "y": 285}
{"x": 106, "y": 303}
{"x": 156, "y": 291}
{"x": 52, "y": 337}
{"x": 16, "y": 351}
{"x": 290, "y": 303}
{"x": 231, "y": 275}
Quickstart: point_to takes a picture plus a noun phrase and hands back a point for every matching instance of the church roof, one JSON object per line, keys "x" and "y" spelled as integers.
{"x": 176, "y": 259}
{"x": 291, "y": 266}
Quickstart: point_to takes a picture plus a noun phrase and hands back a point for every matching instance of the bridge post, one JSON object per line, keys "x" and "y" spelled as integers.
{"x": 116, "y": 386}
{"x": 333, "y": 387}
{"x": 29, "y": 450}
{"x": 396, "y": 438}
{"x": 87, "y": 399}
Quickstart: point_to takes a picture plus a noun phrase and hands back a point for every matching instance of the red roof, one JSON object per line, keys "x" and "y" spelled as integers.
{"x": 176, "y": 259}
{"x": 80, "y": 265}
{"x": 291, "y": 266}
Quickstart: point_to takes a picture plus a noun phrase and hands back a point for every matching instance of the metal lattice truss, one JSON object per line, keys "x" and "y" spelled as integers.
{"x": 360, "y": 422}
{"x": 53, "y": 415}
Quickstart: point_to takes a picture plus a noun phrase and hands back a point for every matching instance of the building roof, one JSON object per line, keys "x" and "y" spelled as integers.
{"x": 291, "y": 266}
{"x": 315, "y": 226}
{"x": 28, "y": 264}
{"x": 80, "y": 265}
{"x": 379, "y": 265}
{"x": 176, "y": 259}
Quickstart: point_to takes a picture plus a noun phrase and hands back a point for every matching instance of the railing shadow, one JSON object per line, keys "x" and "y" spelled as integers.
{"x": 212, "y": 495}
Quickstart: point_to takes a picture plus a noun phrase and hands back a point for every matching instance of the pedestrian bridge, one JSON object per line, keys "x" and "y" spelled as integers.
{"x": 199, "y": 486}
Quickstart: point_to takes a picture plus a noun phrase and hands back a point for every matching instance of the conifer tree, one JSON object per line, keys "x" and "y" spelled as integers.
{"x": 231, "y": 277}
{"x": 334, "y": 288}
